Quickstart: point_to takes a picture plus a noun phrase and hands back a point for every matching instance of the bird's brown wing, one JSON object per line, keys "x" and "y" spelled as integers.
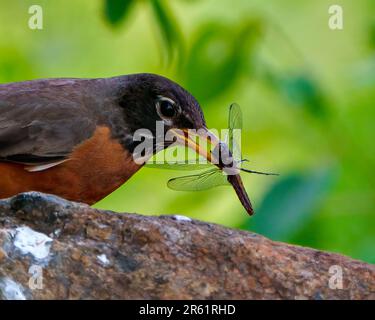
{"x": 42, "y": 121}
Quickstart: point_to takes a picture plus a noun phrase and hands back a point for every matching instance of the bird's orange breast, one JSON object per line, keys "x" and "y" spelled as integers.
{"x": 94, "y": 169}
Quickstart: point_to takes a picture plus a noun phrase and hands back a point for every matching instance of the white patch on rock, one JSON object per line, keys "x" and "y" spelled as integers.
{"x": 173, "y": 234}
{"x": 103, "y": 259}
{"x": 306, "y": 274}
{"x": 30, "y": 241}
{"x": 181, "y": 218}
{"x": 11, "y": 290}
{"x": 55, "y": 234}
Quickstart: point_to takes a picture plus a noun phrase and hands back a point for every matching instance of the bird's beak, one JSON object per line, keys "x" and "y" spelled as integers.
{"x": 198, "y": 140}
{"x": 191, "y": 139}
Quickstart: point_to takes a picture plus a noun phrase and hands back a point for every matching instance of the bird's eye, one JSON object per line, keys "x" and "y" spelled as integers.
{"x": 166, "y": 108}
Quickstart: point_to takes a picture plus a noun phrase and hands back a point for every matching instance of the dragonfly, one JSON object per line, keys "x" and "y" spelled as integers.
{"x": 220, "y": 174}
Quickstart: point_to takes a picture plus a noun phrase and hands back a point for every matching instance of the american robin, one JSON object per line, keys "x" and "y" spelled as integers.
{"x": 74, "y": 137}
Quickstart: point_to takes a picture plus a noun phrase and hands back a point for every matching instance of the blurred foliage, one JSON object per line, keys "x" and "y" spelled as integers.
{"x": 116, "y": 10}
{"x": 306, "y": 93}
{"x": 168, "y": 27}
{"x": 290, "y": 203}
{"x": 372, "y": 34}
{"x": 219, "y": 49}
{"x": 300, "y": 90}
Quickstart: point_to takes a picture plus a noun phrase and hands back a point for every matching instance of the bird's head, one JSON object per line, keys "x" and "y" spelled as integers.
{"x": 150, "y": 101}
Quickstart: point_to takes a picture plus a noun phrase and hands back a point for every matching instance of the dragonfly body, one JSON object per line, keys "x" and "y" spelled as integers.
{"x": 226, "y": 160}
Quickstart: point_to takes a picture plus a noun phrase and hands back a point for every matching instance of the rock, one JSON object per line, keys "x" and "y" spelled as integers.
{"x": 54, "y": 249}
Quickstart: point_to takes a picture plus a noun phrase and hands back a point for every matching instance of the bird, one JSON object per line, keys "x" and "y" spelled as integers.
{"x": 74, "y": 137}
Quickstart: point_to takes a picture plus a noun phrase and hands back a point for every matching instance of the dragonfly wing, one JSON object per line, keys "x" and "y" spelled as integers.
{"x": 234, "y": 122}
{"x": 233, "y": 138}
{"x": 197, "y": 182}
{"x": 235, "y": 117}
{"x": 183, "y": 166}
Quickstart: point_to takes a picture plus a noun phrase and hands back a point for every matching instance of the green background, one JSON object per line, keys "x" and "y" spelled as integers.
{"x": 306, "y": 91}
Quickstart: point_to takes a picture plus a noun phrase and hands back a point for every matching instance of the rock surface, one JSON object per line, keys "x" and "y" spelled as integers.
{"x": 54, "y": 249}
